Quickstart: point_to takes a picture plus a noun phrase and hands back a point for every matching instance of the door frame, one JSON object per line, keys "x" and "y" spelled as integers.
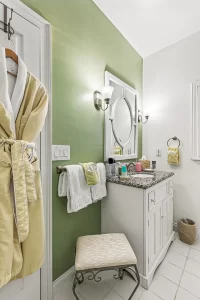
{"x": 46, "y": 136}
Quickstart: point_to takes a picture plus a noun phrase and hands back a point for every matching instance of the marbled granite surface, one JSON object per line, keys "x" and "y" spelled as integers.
{"x": 142, "y": 183}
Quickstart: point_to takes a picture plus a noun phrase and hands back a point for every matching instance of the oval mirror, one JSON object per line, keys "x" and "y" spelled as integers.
{"x": 122, "y": 121}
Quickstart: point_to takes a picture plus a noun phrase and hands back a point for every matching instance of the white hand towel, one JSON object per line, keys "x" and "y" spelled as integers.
{"x": 73, "y": 183}
{"x": 99, "y": 190}
{"x": 62, "y": 185}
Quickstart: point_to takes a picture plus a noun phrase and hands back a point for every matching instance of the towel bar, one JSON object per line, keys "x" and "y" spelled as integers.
{"x": 60, "y": 169}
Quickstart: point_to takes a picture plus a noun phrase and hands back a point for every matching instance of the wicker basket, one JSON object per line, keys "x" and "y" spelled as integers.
{"x": 187, "y": 231}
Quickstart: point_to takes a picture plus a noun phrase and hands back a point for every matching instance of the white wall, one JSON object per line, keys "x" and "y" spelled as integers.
{"x": 168, "y": 75}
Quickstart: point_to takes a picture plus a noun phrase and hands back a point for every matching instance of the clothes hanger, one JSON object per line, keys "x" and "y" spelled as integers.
{"x": 11, "y": 54}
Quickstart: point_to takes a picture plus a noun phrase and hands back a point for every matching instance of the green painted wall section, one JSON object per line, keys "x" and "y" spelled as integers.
{"x": 85, "y": 44}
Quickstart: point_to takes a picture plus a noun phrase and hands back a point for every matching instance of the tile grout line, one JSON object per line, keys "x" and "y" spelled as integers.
{"x": 141, "y": 295}
{"x": 156, "y": 295}
{"x": 192, "y": 274}
{"x": 187, "y": 257}
{"x": 112, "y": 289}
{"x": 169, "y": 279}
{"x": 190, "y": 293}
{"x": 178, "y": 285}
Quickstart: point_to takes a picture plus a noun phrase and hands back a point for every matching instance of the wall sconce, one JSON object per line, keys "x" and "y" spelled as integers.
{"x": 140, "y": 117}
{"x": 105, "y": 95}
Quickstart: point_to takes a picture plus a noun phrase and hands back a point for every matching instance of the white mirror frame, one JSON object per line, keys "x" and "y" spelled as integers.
{"x": 109, "y": 117}
{"x": 195, "y": 116}
{"x": 112, "y": 117}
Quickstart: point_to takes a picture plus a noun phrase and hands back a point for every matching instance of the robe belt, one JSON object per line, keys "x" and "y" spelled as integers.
{"x": 23, "y": 182}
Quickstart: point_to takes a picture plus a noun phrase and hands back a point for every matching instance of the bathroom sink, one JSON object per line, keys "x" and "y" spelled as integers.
{"x": 142, "y": 176}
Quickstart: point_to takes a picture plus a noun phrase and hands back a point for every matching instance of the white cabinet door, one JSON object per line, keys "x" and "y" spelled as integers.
{"x": 154, "y": 233}
{"x": 151, "y": 239}
{"x": 167, "y": 218}
{"x": 164, "y": 221}
{"x": 169, "y": 215}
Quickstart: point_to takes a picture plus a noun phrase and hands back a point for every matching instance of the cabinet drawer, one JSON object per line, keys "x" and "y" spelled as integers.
{"x": 157, "y": 195}
{"x": 161, "y": 193}
{"x": 151, "y": 199}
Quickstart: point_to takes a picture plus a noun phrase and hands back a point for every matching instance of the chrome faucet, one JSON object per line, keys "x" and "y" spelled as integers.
{"x": 130, "y": 167}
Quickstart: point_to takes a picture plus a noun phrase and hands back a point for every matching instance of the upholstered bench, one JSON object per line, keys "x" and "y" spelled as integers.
{"x": 97, "y": 253}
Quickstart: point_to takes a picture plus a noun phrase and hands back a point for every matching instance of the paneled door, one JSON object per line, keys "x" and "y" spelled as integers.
{"x": 167, "y": 216}
{"x": 26, "y": 43}
{"x": 155, "y": 233}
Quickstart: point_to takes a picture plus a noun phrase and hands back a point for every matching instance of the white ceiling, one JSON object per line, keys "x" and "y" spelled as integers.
{"x": 150, "y": 25}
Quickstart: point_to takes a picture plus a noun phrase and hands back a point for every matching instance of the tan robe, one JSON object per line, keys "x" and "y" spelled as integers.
{"x": 21, "y": 204}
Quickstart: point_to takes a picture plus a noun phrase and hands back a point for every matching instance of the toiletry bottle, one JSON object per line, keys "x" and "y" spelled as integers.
{"x": 124, "y": 171}
{"x": 109, "y": 169}
{"x": 153, "y": 164}
{"x": 138, "y": 167}
{"x": 117, "y": 166}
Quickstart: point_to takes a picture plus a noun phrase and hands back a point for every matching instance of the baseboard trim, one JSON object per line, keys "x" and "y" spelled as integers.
{"x": 65, "y": 279}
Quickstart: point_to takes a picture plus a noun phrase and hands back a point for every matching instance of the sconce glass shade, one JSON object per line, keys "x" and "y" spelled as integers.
{"x": 103, "y": 96}
{"x": 140, "y": 117}
{"x": 106, "y": 91}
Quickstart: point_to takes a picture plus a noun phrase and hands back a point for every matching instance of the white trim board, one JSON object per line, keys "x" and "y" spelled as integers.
{"x": 64, "y": 280}
{"x": 46, "y": 138}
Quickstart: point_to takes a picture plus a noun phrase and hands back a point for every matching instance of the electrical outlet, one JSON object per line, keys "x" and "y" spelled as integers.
{"x": 158, "y": 152}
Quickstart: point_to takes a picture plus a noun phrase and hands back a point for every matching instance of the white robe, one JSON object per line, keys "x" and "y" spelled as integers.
{"x": 22, "y": 116}
{"x": 12, "y": 104}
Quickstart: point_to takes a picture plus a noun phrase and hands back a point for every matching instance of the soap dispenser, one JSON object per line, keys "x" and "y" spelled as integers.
{"x": 124, "y": 171}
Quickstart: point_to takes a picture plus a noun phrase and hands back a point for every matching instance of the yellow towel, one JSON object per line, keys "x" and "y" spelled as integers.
{"x": 173, "y": 156}
{"x": 91, "y": 174}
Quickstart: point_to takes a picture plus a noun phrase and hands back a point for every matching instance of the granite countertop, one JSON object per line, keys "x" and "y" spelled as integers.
{"x": 142, "y": 183}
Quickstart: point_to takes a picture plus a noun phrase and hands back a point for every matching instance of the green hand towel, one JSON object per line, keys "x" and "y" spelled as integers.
{"x": 91, "y": 174}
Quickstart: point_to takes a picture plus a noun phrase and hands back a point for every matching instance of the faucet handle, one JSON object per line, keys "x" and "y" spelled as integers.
{"x": 130, "y": 166}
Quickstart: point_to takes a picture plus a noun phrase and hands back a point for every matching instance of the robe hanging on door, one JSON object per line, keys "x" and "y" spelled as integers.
{"x": 22, "y": 117}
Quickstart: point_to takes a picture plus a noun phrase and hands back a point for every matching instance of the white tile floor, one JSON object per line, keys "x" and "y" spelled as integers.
{"x": 178, "y": 277}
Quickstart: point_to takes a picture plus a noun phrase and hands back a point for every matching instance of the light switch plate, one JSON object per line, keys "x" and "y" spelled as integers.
{"x": 60, "y": 152}
{"x": 158, "y": 152}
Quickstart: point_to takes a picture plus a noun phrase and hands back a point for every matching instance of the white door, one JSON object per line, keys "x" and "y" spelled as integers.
{"x": 26, "y": 43}
{"x": 155, "y": 233}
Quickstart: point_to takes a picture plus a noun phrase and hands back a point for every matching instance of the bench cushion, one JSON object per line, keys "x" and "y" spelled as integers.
{"x": 103, "y": 251}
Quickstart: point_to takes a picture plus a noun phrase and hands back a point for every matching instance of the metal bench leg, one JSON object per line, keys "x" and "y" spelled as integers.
{"x": 132, "y": 277}
{"x": 77, "y": 280}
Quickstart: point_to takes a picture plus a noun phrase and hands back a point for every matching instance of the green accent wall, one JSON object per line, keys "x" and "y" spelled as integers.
{"x": 85, "y": 44}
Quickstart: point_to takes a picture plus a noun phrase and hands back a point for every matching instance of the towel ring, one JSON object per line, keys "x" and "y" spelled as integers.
{"x": 174, "y": 139}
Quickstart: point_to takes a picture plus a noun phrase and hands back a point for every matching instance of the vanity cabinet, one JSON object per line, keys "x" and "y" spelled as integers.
{"x": 146, "y": 217}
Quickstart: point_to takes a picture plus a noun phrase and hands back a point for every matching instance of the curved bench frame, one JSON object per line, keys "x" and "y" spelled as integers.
{"x": 129, "y": 270}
